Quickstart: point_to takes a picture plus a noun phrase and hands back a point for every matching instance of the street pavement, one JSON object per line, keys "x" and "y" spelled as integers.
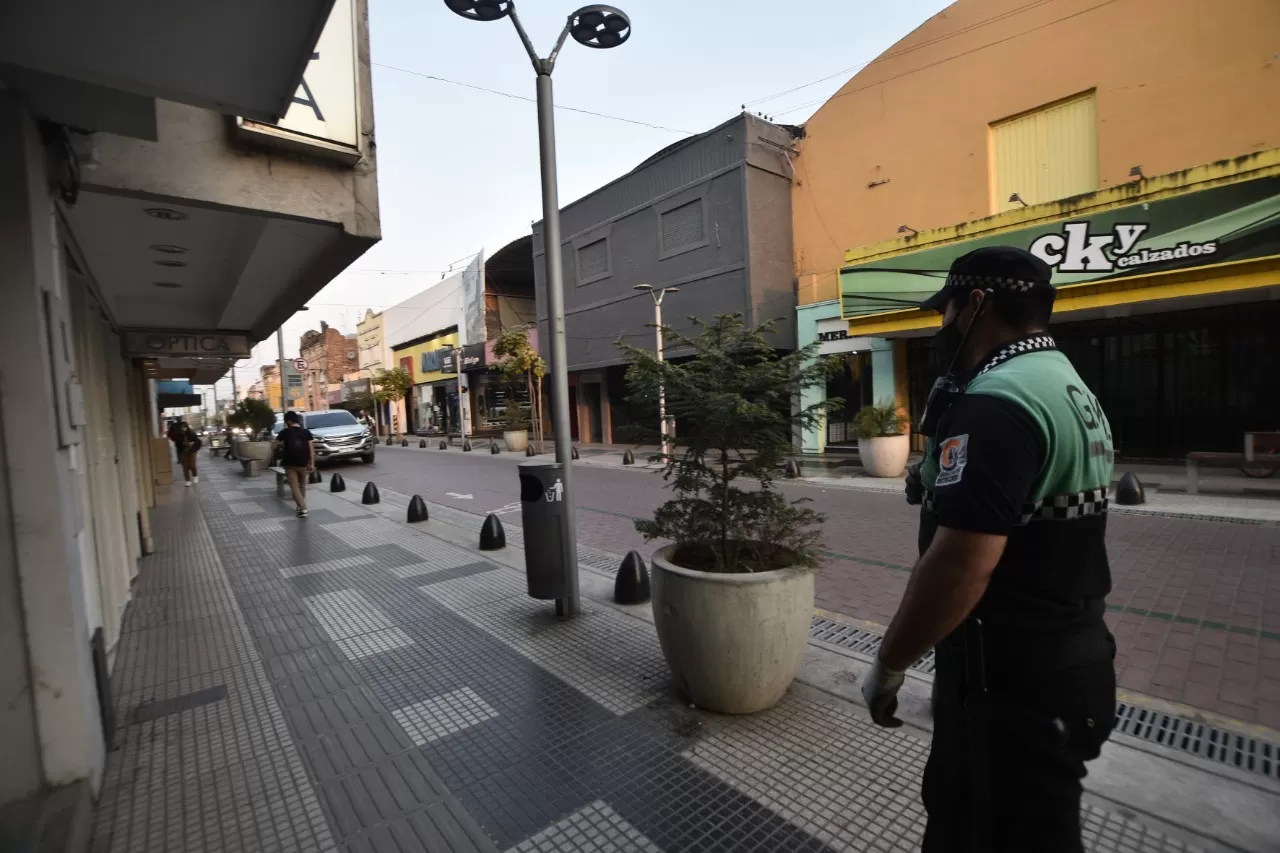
{"x": 1195, "y": 605}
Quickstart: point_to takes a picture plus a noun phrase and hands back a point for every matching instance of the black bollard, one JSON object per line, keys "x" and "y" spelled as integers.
{"x": 1129, "y": 491}
{"x": 628, "y": 458}
{"x": 466, "y": 445}
{"x": 422, "y": 444}
{"x": 632, "y": 584}
{"x": 574, "y": 449}
{"x": 493, "y": 448}
{"x": 314, "y": 476}
{"x": 370, "y": 495}
{"x": 337, "y": 484}
{"x": 528, "y": 450}
{"x": 404, "y": 442}
{"x": 492, "y": 536}
{"x": 417, "y": 509}
{"x": 388, "y": 441}
{"x": 444, "y": 444}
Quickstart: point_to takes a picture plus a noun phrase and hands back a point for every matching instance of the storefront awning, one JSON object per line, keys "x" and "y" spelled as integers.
{"x": 1108, "y": 249}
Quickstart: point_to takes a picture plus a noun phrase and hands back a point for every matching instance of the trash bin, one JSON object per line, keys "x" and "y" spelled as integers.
{"x": 541, "y": 512}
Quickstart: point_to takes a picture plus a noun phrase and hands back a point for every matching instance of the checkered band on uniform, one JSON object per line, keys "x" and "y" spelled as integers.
{"x": 989, "y": 282}
{"x": 1036, "y": 343}
{"x": 929, "y": 502}
{"x": 1067, "y": 507}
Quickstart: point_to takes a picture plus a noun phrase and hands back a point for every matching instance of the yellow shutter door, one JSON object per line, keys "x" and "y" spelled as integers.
{"x": 1045, "y": 155}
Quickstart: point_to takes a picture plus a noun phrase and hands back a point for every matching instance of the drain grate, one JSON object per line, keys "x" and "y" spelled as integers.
{"x": 856, "y": 640}
{"x": 1233, "y": 749}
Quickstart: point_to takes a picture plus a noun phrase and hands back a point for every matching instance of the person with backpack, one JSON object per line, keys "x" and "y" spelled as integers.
{"x": 174, "y": 434}
{"x": 188, "y": 445}
{"x": 296, "y": 448}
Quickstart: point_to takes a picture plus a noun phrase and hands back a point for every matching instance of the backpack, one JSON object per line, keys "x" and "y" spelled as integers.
{"x": 294, "y": 452}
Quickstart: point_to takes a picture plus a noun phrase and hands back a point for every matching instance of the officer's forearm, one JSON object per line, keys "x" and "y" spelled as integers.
{"x": 946, "y": 584}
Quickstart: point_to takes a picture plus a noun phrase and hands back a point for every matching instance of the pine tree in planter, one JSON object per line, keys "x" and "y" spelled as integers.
{"x": 732, "y": 597}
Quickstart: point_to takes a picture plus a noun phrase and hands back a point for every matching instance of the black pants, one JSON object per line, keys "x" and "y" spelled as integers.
{"x": 1022, "y": 792}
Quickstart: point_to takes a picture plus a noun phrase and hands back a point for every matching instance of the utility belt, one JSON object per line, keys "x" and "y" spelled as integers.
{"x": 1008, "y": 651}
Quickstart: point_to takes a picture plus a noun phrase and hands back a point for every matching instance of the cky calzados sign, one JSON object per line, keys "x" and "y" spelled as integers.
{"x": 1222, "y": 224}
{"x": 1077, "y": 249}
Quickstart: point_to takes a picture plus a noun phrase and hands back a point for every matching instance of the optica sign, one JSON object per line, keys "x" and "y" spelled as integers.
{"x": 185, "y": 344}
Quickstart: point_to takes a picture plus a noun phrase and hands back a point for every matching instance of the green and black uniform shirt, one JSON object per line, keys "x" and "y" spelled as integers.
{"x": 1026, "y": 452}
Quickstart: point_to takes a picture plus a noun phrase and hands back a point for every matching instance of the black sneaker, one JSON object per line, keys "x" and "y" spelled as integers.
{"x": 302, "y": 513}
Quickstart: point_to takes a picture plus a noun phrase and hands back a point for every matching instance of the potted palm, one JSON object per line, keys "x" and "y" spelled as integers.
{"x": 733, "y": 592}
{"x": 883, "y": 440}
{"x": 258, "y": 418}
{"x": 520, "y": 364}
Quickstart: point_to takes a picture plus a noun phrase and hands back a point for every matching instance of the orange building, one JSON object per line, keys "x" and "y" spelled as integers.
{"x": 1132, "y": 143}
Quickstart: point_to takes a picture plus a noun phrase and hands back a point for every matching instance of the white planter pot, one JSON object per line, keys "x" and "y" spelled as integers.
{"x": 733, "y": 642}
{"x": 516, "y": 440}
{"x": 258, "y": 450}
{"x": 885, "y": 456}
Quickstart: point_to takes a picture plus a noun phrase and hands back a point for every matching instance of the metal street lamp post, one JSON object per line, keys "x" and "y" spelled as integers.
{"x": 597, "y": 26}
{"x": 664, "y": 425}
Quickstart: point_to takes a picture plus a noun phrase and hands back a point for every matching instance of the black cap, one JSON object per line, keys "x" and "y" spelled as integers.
{"x": 992, "y": 268}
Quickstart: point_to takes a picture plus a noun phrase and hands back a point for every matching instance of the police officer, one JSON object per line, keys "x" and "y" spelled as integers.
{"x": 1013, "y": 572}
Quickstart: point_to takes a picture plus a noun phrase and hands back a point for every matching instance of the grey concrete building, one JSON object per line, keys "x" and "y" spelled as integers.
{"x": 175, "y": 181}
{"x": 710, "y": 214}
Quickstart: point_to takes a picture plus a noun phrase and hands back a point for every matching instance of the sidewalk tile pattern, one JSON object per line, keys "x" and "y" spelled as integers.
{"x": 595, "y": 829}
{"x": 493, "y": 727}
{"x": 221, "y": 776}
{"x": 435, "y": 718}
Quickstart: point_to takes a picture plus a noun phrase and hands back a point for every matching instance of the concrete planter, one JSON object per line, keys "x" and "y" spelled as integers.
{"x": 886, "y": 455}
{"x": 259, "y": 451}
{"x": 733, "y": 642}
{"x": 516, "y": 440}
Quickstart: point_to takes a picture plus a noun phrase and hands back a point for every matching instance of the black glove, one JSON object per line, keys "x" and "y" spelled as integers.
{"x": 914, "y": 486}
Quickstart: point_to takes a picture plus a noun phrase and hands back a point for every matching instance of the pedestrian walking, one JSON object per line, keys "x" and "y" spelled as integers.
{"x": 188, "y": 444}
{"x": 1011, "y": 583}
{"x": 297, "y": 451}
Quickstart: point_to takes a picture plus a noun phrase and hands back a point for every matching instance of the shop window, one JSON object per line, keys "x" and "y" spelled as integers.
{"x": 682, "y": 228}
{"x": 593, "y": 261}
{"x": 1046, "y": 154}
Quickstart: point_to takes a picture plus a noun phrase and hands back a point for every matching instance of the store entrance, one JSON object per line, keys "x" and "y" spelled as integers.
{"x": 852, "y": 384}
{"x": 1170, "y": 383}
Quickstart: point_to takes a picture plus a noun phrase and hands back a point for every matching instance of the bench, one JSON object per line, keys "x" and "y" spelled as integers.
{"x": 1225, "y": 460}
{"x": 282, "y": 479}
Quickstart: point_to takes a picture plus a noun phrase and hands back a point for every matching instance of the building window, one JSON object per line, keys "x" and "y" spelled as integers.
{"x": 1046, "y": 154}
{"x": 682, "y": 228}
{"x": 593, "y": 261}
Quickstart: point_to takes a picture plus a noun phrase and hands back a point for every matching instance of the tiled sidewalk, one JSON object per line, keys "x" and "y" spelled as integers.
{"x": 347, "y": 681}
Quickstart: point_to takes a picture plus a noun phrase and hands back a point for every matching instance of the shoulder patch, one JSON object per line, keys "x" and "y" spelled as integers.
{"x": 953, "y": 455}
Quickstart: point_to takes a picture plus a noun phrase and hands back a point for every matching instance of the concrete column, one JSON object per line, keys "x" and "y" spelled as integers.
{"x": 884, "y": 390}
{"x": 814, "y": 439}
{"x": 41, "y": 477}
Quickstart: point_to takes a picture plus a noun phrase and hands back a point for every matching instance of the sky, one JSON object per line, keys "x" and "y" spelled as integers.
{"x": 458, "y": 167}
